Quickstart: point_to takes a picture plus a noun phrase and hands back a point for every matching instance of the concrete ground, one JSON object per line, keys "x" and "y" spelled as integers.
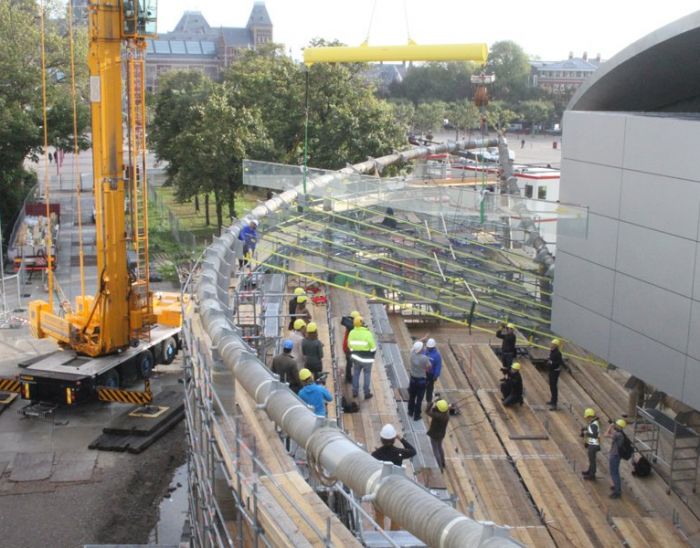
{"x": 54, "y": 491}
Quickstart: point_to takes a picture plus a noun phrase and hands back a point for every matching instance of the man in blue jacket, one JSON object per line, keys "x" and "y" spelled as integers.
{"x": 314, "y": 394}
{"x": 249, "y": 237}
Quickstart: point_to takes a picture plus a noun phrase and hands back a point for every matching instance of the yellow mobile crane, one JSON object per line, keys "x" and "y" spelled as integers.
{"x": 123, "y": 330}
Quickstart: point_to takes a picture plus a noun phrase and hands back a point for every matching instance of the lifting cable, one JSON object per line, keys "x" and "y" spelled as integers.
{"x": 49, "y": 235}
{"x": 76, "y": 150}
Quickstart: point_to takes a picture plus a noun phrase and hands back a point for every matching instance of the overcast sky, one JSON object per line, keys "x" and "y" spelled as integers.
{"x": 548, "y": 29}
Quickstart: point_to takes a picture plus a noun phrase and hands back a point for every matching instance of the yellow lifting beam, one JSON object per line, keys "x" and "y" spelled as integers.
{"x": 409, "y": 52}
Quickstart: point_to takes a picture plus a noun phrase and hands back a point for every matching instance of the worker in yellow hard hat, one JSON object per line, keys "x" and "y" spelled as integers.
{"x": 506, "y": 332}
{"x": 439, "y": 416}
{"x": 312, "y": 349}
{"x": 346, "y": 322}
{"x": 620, "y": 447}
{"x": 362, "y": 347}
{"x": 591, "y": 441}
{"x": 555, "y": 364}
{"x": 315, "y": 395}
{"x": 299, "y": 292}
{"x": 515, "y": 381}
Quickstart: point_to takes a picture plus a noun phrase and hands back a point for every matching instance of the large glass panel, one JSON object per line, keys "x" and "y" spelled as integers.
{"x": 178, "y": 47}
{"x": 193, "y": 48}
{"x": 161, "y": 46}
{"x": 208, "y": 48}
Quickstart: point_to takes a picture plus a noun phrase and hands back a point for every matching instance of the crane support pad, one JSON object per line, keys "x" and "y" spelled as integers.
{"x": 124, "y": 396}
{"x": 9, "y": 385}
{"x": 134, "y": 433}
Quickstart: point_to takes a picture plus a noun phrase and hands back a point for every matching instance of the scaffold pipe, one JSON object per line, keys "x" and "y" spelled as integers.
{"x": 329, "y": 450}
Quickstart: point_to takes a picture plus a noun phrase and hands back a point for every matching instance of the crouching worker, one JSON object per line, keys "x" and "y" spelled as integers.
{"x": 515, "y": 391}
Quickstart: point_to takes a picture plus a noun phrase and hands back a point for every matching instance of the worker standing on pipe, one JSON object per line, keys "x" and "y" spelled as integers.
{"x": 297, "y": 336}
{"x": 249, "y": 237}
{"x": 285, "y": 366}
{"x": 420, "y": 364}
{"x": 555, "y": 363}
{"x": 388, "y": 452}
{"x": 362, "y": 350}
{"x": 298, "y": 292}
{"x": 346, "y": 322}
{"x": 591, "y": 441}
{"x": 506, "y": 332}
{"x": 439, "y": 416}
{"x": 435, "y": 369}
{"x": 314, "y": 394}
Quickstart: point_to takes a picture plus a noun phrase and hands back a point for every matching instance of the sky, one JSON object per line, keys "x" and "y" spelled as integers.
{"x": 545, "y": 29}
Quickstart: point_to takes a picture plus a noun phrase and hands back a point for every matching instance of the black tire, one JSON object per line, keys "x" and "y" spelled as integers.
{"x": 144, "y": 364}
{"x": 169, "y": 351}
{"x": 110, "y": 379}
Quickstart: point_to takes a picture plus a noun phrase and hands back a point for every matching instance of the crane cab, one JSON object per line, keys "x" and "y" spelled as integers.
{"x": 139, "y": 18}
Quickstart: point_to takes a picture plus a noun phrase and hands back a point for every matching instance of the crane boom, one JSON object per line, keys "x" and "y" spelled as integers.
{"x": 122, "y": 310}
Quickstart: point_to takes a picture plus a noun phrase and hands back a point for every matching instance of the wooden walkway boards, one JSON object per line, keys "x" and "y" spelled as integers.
{"x": 521, "y": 466}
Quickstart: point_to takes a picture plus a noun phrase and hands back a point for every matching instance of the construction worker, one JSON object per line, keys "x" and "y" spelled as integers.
{"x": 312, "y": 349}
{"x": 362, "y": 350}
{"x": 285, "y": 366}
{"x": 300, "y": 311}
{"x": 615, "y": 431}
{"x": 439, "y": 416}
{"x": 591, "y": 441}
{"x": 346, "y": 322}
{"x": 435, "y": 369}
{"x": 515, "y": 394}
{"x": 297, "y": 336}
{"x": 249, "y": 237}
{"x": 506, "y": 332}
{"x": 298, "y": 292}
{"x": 314, "y": 394}
{"x": 555, "y": 363}
{"x": 388, "y": 452}
{"x": 419, "y": 366}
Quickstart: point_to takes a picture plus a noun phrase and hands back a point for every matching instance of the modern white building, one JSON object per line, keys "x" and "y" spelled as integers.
{"x": 630, "y": 291}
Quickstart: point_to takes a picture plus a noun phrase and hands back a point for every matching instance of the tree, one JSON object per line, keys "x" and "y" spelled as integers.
{"x": 220, "y": 137}
{"x": 536, "y": 112}
{"x": 21, "y": 109}
{"x": 404, "y": 112}
{"x": 508, "y": 62}
{"x": 430, "y": 116}
{"x": 435, "y": 82}
{"x": 463, "y": 115}
{"x": 499, "y": 115}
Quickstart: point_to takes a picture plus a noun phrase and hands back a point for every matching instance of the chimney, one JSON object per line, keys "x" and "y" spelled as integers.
{"x": 571, "y": 55}
{"x": 585, "y": 56}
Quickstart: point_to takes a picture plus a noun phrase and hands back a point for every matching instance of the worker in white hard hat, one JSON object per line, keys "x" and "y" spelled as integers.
{"x": 435, "y": 369}
{"x": 439, "y": 416}
{"x": 388, "y": 452}
{"x": 506, "y": 332}
{"x": 419, "y": 366}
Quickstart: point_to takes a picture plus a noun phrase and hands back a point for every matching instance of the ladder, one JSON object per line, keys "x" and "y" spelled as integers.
{"x": 138, "y": 186}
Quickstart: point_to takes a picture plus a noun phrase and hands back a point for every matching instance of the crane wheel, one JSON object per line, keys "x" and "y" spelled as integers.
{"x": 110, "y": 379}
{"x": 144, "y": 364}
{"x": 169, "y": 351}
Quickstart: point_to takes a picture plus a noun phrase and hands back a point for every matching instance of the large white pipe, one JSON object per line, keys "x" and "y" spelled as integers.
{"x": 335, "y": 454}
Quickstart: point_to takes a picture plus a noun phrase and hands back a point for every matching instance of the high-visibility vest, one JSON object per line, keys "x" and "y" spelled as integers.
{"x": 361, "y": 340}
{"x": 591, "y": 437}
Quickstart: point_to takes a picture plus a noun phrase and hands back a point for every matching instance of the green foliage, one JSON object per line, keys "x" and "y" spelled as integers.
{"x": 435, "y": 82}
{"x": 430, "y": 116}
{"x": 510, "y": 64}
{"x": 403, "y": 112}
{"x": 499, "y": 115}
{"x": 21, "y": 120}
{"x": 536, "y": 111}
{"x": 463, "y": 115}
